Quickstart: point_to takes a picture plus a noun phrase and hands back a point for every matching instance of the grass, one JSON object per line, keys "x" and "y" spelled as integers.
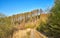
{"x": 29, "y": 26}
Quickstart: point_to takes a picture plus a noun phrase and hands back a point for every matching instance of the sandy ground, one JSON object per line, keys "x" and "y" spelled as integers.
{"x": 28, "y": 33}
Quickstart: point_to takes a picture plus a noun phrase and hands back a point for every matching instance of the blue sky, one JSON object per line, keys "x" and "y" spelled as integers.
{"x": 10, "y": 7}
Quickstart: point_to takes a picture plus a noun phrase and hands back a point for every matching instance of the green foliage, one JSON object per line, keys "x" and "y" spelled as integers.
{"x": 52, "y": 27}
{"x": 54, "y": 22}
{"x": 6, "y": 29}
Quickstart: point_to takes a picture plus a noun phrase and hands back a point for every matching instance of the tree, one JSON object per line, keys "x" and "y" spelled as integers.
{"x": 54, "y": 21}
{"x": 52, "y": 27}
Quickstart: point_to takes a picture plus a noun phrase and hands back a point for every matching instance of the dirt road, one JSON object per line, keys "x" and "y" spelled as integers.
{"x": 28, "y": 33}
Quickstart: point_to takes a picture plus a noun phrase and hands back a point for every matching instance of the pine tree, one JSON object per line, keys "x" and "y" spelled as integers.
{"x": 52, "y": 27}
{"x": 54, "y": 21}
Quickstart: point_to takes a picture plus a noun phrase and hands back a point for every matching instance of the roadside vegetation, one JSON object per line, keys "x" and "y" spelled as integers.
{"x": 52, "y": 26}
{"x": 6, "y": 29}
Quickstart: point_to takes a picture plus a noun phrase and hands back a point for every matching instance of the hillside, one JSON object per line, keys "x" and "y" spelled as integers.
{"x": 20, "y": 25}
{"x": 31, "y": 31}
